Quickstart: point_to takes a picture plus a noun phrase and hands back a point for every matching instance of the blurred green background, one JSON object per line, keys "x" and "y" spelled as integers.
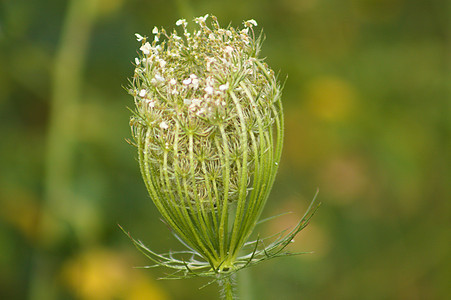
{"x": 367, "y": 104}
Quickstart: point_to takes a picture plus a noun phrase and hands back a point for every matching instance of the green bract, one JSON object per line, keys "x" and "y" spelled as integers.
{"x": 208, "y": 126}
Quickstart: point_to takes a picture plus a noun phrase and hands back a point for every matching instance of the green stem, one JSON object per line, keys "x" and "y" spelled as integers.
{"x": 59, "y": 197}
{"x": 227, "y": 285}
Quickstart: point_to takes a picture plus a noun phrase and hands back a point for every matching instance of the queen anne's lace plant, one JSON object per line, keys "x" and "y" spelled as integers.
{"x": 208, "y": 126}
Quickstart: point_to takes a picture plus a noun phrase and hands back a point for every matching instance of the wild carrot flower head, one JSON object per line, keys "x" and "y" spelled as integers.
{"x": 208, "y": 126}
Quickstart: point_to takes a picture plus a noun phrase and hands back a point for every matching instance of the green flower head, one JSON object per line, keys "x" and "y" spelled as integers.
{"x": 208, "y": 127}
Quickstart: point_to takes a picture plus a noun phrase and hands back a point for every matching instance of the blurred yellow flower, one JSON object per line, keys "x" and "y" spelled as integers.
{"x": 98, "y": 274}
{"x": 330, "y": 98}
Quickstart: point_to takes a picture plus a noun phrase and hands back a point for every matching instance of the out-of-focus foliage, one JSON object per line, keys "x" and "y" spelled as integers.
{"x": 367, "y": 104}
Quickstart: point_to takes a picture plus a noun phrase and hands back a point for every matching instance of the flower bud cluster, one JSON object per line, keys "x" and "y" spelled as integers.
{"x": 203, "y": 101}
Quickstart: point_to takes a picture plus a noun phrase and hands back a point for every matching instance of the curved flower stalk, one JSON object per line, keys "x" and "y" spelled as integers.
{"x": 208, "y": 125}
